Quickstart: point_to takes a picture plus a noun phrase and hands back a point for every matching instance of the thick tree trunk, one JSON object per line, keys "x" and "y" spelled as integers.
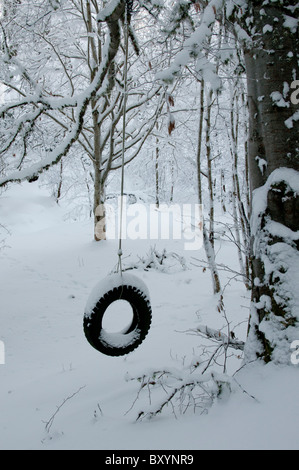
{"x": 271, "y": 66}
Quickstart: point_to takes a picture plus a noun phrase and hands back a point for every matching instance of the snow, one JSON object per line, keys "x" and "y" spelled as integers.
{"x": 279, "y": 100}
{"x": 98, "y": 85}
{"x": 118, "y": 340}
{"x": 193, "y": 45}
{"x": 108, "y": 10}
{"x": 278, "y": 230}
{"x": 262, "y": 163}
{"x": 286, "y": 89}
{"x": 280, "y": 261}
{"x": 267, "y": 29}
{"x": 47, "y": 274}
{"x": 113, "y": 281}
{"x": 291, "y": 23}
{"x": 290, "y": 121}
{"x": 259, "y": 204}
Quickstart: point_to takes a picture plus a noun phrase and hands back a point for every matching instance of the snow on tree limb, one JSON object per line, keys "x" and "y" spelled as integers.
{"x": 195, "y": 43}
{"x": 219, "y": 336}
{"x": 111, "y": 10}
{"x": 97, "y": 88}
{"x": 61, "y": 150}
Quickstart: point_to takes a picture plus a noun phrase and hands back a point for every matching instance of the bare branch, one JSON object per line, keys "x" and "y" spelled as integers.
{"x": 49, "y": 423}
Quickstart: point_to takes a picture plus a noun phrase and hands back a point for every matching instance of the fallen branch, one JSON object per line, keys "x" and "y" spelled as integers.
{"x": 187, "y": 390}
{"x": 220, "y": 337}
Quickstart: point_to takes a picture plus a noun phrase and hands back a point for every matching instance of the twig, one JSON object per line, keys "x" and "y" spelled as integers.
{"x": 244, "y": 391}
{"x": 50, "y": 421}
{"x": 220, "y": 267}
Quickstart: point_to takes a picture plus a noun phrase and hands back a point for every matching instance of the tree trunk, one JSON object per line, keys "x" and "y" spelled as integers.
{"x": 223, "y": 192}
{"x": 209, "y": 166}
{"x": 99, "y": 190}
{"x": 199, "y": 140}
{"x": 157, "y": 171}
{"x": 59, "y": 188}
{"x": 271, "y": 66}
{"x": 239, "y": 215}
{"x": 209, "y": 248}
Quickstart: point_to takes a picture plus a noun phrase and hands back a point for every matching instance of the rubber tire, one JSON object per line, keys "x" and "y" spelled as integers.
{"x": 142, "y": 316}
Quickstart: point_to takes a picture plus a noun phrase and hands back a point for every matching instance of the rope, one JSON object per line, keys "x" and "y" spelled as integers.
{"x": 125, "y": 93}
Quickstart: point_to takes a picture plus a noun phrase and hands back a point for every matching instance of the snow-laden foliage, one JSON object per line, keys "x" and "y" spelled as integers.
{"x": 188, "y": 120}
{"x": 61, "y": 84}
{"x": 275, "y": 313}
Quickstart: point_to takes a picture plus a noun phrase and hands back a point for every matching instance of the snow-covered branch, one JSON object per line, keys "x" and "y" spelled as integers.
{"x": 219, "y": 337}
{"x": 80, "y": 102}
{"x": 194, "y": 45}
{"x": 180, "y": 390}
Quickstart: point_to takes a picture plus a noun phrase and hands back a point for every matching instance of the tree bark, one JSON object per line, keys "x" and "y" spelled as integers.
{"x": 209, "y": 248}
{"x": 157, "y": 171}
{"x": 273, "y": 148}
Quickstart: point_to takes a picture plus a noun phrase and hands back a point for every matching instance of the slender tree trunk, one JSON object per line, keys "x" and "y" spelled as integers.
{"x": 94, "y": 60}
{"x": 209, "y": 166}
{"x": 238, "y": 207}
{"x": 157, "y": 170}
{"x": 271, "y": 65}
{"x": 58, "y": 194}
{"x": 223, "y": 191}
{"x": 209, "y": 249}
{"x": 199, "y": 140}
{"x": 99, "y": 187}
{"x": 172, "y": 179}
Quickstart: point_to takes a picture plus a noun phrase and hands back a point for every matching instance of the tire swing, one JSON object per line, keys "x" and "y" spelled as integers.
{"x": 118, "y": 286}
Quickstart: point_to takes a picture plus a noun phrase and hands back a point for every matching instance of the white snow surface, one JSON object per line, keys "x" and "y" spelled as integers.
{"x": 47, "y": 273}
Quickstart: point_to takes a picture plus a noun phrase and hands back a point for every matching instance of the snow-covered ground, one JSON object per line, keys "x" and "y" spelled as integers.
{"x": 47, "y": 272}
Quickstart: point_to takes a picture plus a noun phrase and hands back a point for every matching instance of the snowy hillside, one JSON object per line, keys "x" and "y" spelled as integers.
{"x": 57, "y": 392}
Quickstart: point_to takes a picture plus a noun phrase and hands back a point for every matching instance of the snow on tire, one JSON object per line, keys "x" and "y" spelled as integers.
{"x": 118, "y": 287}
